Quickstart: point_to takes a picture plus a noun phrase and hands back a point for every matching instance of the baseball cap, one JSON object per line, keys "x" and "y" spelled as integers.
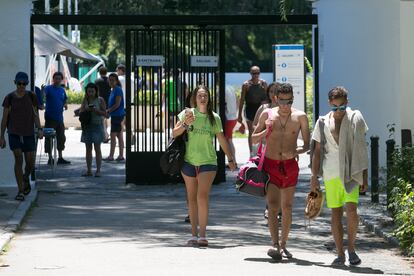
{"x": 21, "y": 76}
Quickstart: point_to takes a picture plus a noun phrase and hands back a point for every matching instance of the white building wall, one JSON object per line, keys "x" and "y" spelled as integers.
{"x": 407, "y": 64}
{"x": 359, "y": 48}
{"x": 14, "y": 57}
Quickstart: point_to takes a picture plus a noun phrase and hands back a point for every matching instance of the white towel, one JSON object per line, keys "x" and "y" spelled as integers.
{"x": 353, "y": 152}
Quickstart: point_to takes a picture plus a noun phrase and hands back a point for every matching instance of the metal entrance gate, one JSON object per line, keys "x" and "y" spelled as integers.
{"x": 163, "y": 67}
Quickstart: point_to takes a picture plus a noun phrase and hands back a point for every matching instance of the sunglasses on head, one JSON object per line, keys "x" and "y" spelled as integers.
{"x": 285, "y": 102}
{"x": 21, "y": 83}
{"x": 340, "y": 108}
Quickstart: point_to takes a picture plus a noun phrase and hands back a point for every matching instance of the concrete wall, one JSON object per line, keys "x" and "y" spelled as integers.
{"x": 406, "y": 64}
{"x": 14, "y": 57}
{"x": 360, "y": 49}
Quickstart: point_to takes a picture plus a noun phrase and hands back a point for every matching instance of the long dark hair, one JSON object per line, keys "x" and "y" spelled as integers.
{"x": 273, "y": 84}
{"x": 93, "y": 86}
{"x": 210, "y": 114}
{"x": 114, "y": 75}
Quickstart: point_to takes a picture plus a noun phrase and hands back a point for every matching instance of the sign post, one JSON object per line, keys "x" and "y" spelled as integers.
{"x": 289, "y": 67}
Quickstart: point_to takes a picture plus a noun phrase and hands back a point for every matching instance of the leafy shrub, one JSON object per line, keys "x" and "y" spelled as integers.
{"x": 74, "y": 97}
{"x": 401, "y": 179}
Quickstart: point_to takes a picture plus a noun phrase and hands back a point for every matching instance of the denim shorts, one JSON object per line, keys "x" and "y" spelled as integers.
{"x": 193, "y": 171}
{"x": 25, "y": 143}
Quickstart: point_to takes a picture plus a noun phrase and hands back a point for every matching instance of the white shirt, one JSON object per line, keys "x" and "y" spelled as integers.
{"x": 122, "y": 81}
{"x": 231, "y": 103}
{"x": 330, "y": 163}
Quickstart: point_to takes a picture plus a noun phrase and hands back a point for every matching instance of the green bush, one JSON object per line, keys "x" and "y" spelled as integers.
{"x": 74, "y": 97}
{"x": 401, "y": 179}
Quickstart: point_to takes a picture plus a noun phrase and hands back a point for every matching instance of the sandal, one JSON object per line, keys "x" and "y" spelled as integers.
{"x": 97, "y": 174}
{"x": 87, "y": 174}
{"x": 274, "y": 253}
{"x": 353, "y": 258}
{"x": 339, "y": 261}
{"x": 28, "y": 187}
{"x": 203, "y": 242}
{"x": 286, "y": 254}
{"x": 192, "y": 241}
{"x": 108, "y": 159}
{"x": 119, "y": 159}
{"x": 19, "y": 197}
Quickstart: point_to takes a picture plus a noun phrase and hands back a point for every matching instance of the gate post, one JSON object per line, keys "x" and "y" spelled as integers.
{"x": 390, "y": 151}
{"x": 374, "y": 169}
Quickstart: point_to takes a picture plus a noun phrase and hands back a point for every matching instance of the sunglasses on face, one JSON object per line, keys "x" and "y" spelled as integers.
{"x": 285, "y": 101}
{"x": 334, "y": 108}
{"x": 255, "y": 73}
{"x": 21, "y": 83}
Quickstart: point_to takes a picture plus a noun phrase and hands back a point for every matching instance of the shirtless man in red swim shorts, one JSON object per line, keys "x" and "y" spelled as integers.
{"x": 280, "y": 163}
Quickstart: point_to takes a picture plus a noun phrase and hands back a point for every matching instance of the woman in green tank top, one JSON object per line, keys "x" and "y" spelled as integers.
{"x": 200, "y": 166}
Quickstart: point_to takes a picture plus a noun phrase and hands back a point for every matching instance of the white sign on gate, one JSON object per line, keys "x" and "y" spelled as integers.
{"x": 204, "y": 61}
{"x": 289, "y": 67}
{"x": 150, "y": 60}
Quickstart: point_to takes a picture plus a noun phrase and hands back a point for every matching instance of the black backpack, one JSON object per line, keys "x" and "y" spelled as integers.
{"x": 172, "y": 159}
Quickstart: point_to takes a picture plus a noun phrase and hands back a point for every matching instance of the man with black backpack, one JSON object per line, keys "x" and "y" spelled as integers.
{"x": 20, "y": 115}
{"x": 104, "y": 90}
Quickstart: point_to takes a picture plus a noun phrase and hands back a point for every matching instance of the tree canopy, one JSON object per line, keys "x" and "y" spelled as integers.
{"x": 245, "y": 44}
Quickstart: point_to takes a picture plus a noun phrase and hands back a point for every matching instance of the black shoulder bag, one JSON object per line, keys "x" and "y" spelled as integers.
{"x": 172, "y": 159}
{"x": 85, "y": 118}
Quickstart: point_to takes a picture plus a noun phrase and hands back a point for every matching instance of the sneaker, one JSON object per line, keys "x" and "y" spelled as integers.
{"x": 50, "y": 161}
{"x": 266, "y": 214}
{"x": 62, "y": 161}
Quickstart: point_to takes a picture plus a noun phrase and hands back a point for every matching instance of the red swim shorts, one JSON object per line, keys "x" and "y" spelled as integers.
{"x": 228, "y": 131}
{"x": 283, "y": 173}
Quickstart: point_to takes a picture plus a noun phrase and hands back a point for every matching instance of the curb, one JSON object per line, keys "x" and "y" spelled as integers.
{"x": 16, "y": 219}
{"x": 373, "y": 227}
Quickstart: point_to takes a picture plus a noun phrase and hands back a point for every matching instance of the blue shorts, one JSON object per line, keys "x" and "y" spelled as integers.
{"x": 25, "y": 143}
{"x": 116, "y": 122}
{"x": 193, "y": 171}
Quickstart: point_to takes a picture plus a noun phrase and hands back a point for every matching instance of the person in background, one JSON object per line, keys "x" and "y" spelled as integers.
{"x": 20, "y": 116}
{"x": 200, "y": 160}
{"x": 117, "y": 113}
{"x": 56, "y": 98}
{"x": 345, "y": 147}
{"x": 92, "y": 133}
{"x": 254, "y": 94}
{"x": 104, "y": 90}
{"x": 120, "y": 71}
{"x": 271, "y": 93}
{"x": 231, "y": 118}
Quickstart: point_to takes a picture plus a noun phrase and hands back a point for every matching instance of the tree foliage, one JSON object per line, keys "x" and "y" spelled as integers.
{"x": 246, "y": 45}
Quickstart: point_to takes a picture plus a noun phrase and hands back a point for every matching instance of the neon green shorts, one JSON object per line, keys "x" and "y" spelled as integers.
{"x": 336, "y": 196}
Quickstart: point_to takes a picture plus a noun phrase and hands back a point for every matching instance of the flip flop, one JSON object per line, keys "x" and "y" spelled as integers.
{"x": 274, "y": 253}
{"x": 286, "y": 254}
{"x": 87, "y": 174}
{"x": 28, "y": 187}
{"x": 339, "y": 261}
{"x": 193, "y": 241}
{"x": 203, "y": 242}
{"x": 353, "y": 258}
{"x": 97, "y": 174}
{"x": 119, "y": 159}
{"x": 19, "y": 197}
{"x": 108, "y": 159}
